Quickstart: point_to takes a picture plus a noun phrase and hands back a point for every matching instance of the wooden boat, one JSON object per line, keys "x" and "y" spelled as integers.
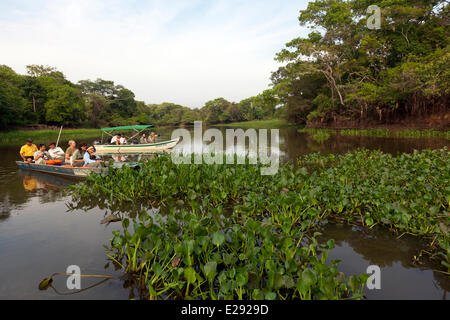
{"x": 67, "y": 171}
{"x": 61, "y": 170}
{"x": 156, "y": 147}
{"x": 136, "y": 148}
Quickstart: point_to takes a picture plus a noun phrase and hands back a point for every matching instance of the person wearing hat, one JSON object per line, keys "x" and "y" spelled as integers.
{"x": 91, "y": 159}
{"x": 27, "y": 151}
{"x": 56, "y": 153}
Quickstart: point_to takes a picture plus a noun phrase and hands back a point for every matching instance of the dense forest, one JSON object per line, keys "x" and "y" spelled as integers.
{"x": 345, "y": 71}
{"x": 45, "y": 96}
{"x": 342, "y": 71}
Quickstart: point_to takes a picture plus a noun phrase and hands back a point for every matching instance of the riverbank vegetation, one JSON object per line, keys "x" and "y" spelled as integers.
{"x": 226, "y": 231}
{"x": 342, "y": 72}
{"x": 18, "y": 137}
{"x": 380, "y": 133}
{"x": 258, "y": 124}
{"x": 345, "y": 72}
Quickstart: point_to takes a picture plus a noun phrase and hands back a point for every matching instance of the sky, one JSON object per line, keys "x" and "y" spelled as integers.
{"x": 180, "y": 51}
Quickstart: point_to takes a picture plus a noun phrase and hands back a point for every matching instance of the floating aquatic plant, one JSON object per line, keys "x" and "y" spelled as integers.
{"x": 232, "y": 233}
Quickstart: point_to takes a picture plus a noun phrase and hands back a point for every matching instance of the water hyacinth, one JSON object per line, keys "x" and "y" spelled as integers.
{"x": 229, "y": 232}
{"x": 204, "y": 256}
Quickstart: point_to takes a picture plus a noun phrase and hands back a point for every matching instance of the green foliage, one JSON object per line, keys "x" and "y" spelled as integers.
{"x": 191, "y": 256}
{"x": 396, "y": 70}
{"x": 366, "y": 133}
{"x": 381, "y": 133}
{"x": 258, "y": 124}
{"x": 18, "y": 137}
{"x": 12, "y": 104}
{"x": 262, "y": 245}
{"x": 64, "y": 106}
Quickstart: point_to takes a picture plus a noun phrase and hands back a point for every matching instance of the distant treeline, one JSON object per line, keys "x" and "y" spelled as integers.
{"x": 45, "y": 96}
{"x": 343, "y": 70}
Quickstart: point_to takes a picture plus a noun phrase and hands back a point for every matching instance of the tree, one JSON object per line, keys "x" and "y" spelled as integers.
{"x": 12, "y": 103}
{"x": 64, "y": 106}
{"x": 357, "y": 72}
{"x": 213, "y": 110}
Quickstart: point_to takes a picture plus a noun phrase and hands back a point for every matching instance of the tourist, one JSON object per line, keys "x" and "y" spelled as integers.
{"x": 143, "y": 139}
{"x": 91, "y": 159}
{"x": 27, "y": 151}
{"x": 122, "y": 139}
{"x": 71, "y": 149}
{"x": 42, "y": 155}
{"x": 77, "y": 158}
{"x": 154, "y": 137}
{"x": 118, "y": 139}
{"x": 56, "y": 153}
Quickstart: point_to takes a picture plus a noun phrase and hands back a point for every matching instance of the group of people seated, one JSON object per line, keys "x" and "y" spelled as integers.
{"x": 120, "y": 139}
{"x": 81, "y": 156}
{"x": 152, "y": 138}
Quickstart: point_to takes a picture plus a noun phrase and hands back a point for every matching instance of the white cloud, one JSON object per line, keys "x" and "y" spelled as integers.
{"x": 180, "y": 51}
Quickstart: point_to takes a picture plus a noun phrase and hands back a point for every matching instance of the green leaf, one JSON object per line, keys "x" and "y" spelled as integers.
{"x": 271, "y": 296}
{"x": 210, "y": 269}
{"x": 190, "y": 275}
{"x": 218, "y": 238}
{"x": 241, "y": 279}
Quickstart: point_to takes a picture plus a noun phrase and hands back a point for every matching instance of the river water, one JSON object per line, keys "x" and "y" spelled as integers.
{"x": 40, "y": 234}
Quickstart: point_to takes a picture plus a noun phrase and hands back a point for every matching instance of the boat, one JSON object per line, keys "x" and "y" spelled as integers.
{"x": 75, "y": 172}
{"x": 136, "y": 148}
{"x": 156, "y": 147}
{"x": 69, "y": 171}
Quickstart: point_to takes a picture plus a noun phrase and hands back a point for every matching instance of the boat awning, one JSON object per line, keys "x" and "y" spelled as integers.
{"x": 123, "y": 128}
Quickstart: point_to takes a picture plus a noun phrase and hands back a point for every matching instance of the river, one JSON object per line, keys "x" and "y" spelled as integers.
{"x": 40, "y": 234}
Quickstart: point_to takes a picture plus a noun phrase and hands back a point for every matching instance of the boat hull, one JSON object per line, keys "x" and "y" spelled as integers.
{"x": 137, "y": 148}
{"x": 61, "y": 171}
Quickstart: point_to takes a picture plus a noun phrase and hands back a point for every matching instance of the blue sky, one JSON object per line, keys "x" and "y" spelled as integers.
{"x": 186, "y": 52}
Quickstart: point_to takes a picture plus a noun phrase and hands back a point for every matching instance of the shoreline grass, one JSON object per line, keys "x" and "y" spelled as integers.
{"x": 18, "y": 137}
{"x": 258, "y": 124}
{"x": 380, "y": 133}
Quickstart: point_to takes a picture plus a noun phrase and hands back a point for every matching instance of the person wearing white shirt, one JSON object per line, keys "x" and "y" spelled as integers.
{"x": 56, "y": 153}
{"x": 118, "y": 139}
{"x": 115, "y": 139}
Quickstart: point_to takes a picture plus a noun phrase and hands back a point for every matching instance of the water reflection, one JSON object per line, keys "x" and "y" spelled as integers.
{"x": 42, "y": 231}
{"x": 401, "y": 276}
{"x": 293, "y": 144}
{"x": 33, "y": 181}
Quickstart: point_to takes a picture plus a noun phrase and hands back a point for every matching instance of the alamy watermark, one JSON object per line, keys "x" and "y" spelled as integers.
{"x": 374, "y": 20}
{"x": 74, "y": 280}
{"x": 374, "y": 280}
{"x": 235, "y": 151}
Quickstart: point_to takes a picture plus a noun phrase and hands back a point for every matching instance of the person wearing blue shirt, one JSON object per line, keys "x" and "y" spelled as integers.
{"x": 90, "y": 159}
